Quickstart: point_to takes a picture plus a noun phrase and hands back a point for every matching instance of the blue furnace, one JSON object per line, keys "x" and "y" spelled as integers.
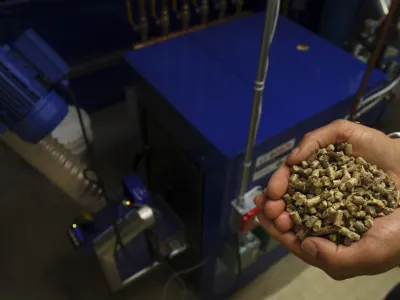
{"x": 196, "y": 92}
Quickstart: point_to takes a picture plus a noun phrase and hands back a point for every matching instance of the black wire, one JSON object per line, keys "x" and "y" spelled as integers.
{"x": 91, "y": 173}
{"x": 137, "y": 159}
{"x": 238, "y": 259}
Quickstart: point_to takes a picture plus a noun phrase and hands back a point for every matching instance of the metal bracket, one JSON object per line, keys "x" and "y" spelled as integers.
{"x": 242, "y": 213}
{"x": 133, "y": 224}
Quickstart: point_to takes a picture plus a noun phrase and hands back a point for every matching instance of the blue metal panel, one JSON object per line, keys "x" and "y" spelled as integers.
{"x": 214, "y": 100}
{"x": 179, "y": 71}
{"x": 300, "y": 80}
{"x": 135, "y": 187}
{"x": 337, "y": 19}
{"x": 217, "y": 183}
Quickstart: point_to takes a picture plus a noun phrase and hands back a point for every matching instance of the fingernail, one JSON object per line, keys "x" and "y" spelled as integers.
{"x": 310, "y": 248}
{"x": 294, "y": 151}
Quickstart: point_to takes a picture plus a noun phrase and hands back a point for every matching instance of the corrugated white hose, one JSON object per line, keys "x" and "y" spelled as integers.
{"x": 271, "y": 21}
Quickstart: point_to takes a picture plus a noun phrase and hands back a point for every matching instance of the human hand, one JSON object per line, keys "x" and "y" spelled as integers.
{"x": 379, "y": 249}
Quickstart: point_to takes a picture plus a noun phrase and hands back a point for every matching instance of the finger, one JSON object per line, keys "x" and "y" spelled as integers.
{"x": 260, "y": 200}
{"x": 284, "y": 222}
{"x": 288, "y": 239}
{"x": 278, "y": 183}
{"x": 274, "y": 209}
{"x": 336, "y": 132}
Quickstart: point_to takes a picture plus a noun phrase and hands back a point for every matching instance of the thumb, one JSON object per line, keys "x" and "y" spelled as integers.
{"x": 321, "y": 249}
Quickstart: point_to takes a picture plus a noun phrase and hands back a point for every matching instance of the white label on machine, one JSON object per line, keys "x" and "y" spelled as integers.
{"x": 262, "y": 159}
{"x": 268, "y": 169}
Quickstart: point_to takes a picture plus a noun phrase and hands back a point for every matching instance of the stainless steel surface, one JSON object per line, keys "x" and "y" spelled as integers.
{"x": 134, "y": 223}
{"x": 140, "y": 274}
{"x": 249, "y": 251}
{"x": 272, "y": 10}
{"x": 176, "y": 248}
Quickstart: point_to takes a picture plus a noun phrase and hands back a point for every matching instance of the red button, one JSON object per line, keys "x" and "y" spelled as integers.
{"x": 248, "y": 220}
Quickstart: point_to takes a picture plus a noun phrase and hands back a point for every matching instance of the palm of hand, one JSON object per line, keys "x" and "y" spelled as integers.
{"x": 379, "y": 249}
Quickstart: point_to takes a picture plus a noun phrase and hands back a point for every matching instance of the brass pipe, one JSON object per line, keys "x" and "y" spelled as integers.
{"x": 153, "y": 8}
{"x": 190, "y": 30}
{"x": 239, "y": 6}
{"x": 204, "y": 11}
{"x": 143, "y": 24}
{"x": 129, "y": 15}
{"x": 185, "y": 2}
{"x": 175, "y": 6}
{"x": 142, "y": 8}
{"x": 222, "y": 8}
{"x": 374, "y": 58}
{"x": 164, "y": 19}
{"x": 185, "y": 15}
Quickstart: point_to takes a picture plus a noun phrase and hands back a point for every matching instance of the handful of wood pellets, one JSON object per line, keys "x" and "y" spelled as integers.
{"x": 337, "y": 196}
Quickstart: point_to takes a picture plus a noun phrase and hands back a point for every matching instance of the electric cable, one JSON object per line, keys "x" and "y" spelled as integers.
{"x": 178, "y": 275}
{"x": 238, "y": 260}
{"x": 239, "y": 269}
{"x": 91, "y": 174}
{"x": 381, "y": 92}
{"x": 373, "y": 99}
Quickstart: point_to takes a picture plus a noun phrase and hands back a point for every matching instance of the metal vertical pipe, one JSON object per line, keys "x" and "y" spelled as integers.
{"x": 269, "y": 28}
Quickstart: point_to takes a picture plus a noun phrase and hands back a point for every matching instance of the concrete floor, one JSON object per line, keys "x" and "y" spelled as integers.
{"x": 37, "y": 261}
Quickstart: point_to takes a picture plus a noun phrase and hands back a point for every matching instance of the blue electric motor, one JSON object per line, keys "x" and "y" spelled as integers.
{"x": 29, "y": 106}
